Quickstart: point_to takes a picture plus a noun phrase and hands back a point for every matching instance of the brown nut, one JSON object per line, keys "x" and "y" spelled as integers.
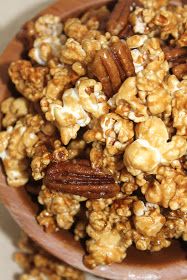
{"x": 77, "y": 177}
{"x": 175, "y": 54}
{"x": 180, "y": 70}
{"x": 112, "y": 66}
{"x": 120, "y": 15}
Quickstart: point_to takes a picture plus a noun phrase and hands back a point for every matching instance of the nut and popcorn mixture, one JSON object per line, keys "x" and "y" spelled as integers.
{"x": 101, "y": 124}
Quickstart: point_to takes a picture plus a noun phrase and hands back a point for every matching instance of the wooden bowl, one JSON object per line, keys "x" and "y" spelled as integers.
{"x": 169, "y": 264}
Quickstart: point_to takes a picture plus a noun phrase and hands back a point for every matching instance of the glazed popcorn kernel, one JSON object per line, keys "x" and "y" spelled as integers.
{"x": 97, "y": 124}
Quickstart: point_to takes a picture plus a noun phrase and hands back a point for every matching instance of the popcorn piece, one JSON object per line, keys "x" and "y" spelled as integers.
{"x": 179, "y": 104}
{"x": 138, "y": 60}
{"x": 73, "y": 28}
{"x": 169, "y": 24}
{"x": 154, "y": 4}
{"x": 127, "y": 95}
{"x": 152, "y": 75}
{"x": 92, "y": 98}
{"x": 91, "y": 46}
{"x": 152, "y": 51}
{"x": 110, "y": 231}
{"x": 117, "y": 132}
{"x": 101, "y": 159}
{"x": 48, "y": 25}
{"x": 13, "y": 109}
{"x": 69, "y": 117}
{"x": 76, "y": 148}
{"x": 147, "y": 152}
{"x": 85, "y": 97}
{"x": 168, "y": 189}
{"x": 137, "y": 21}
{"x": 136, "y": 41}
{"x": 41, "y": 158}
{"x": 29, "y": 81}
{"x": 80, "y": 230}
{"x": 62, "y": 77}
{"x": 44, "y": 49}
{"x": 14, "y": 149}
{"x": 79, "y": 69}
{"x": 148, "y": 220}
{"x": 173, "y": 227}
{"x": 129, "y": 183}
{"x": 72, "y": 52}
{"x": 62, "y": 208}
{"x": 159, "y": 101}
{"x": 114, "y": 131}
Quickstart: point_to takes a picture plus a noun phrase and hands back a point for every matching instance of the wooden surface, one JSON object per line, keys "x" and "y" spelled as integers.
{"x": 169, "y": 264}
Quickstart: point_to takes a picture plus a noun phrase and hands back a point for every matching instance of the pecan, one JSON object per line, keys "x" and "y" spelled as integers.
{"x": 180, "y": 70}
{"x": 126, "y": 32}
{"x": 175, "y": 54}
{"x": 77, "y": 177}
{"x": 112, "y": 65}
{"x": 120, "y": 15}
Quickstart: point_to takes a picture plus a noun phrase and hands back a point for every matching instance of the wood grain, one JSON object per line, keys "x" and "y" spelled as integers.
{"x": 169, "y": 264}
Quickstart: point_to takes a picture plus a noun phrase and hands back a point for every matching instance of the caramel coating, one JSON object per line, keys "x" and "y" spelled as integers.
{"x": 13, "y": 109}
{"x": 146, "y": 153}
{"x": 109, "y": 231}
{"x": 61, "y": 208}
{"x": 29, "y": 81}
{"x": 16, "y": 144}
{"x": 86, "y": 97}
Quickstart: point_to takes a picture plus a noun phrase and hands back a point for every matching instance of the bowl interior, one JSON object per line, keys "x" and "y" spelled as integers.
{"x": 170, "y": 263}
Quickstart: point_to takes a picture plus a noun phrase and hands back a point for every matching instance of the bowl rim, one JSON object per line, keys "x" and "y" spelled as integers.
{"x": 24, "y": 213}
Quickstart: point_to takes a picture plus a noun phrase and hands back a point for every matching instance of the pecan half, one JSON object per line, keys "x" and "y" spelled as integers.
{"x": 112, "y": 66}
{"x": 120, "y": 15}
{"x": 178, "y": 59}
{"x": 77, "y": 177}
{"x": 175, "y": 54}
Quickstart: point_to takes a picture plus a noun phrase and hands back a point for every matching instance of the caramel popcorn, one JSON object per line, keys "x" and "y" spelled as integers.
{"x": 168, "y": 189}
{"x": 13, "y": 109}
{"x": 72, "y": 52}
{"x": 44, "y": 49}
{"x": 16, "y": 143}
{"x": 101, "y": 112}
{"x": 74, "y": 29}
{"x": 115, "y": 131}
{"x": 146, "y": 153}
{"x": 86, "y": 97}
{"x": 61, "y": 78}
{"x": 179, "y": 109}
{"x": 110, "y": 231}
{"x": 37, "y": 264}
{"x": 48, "y": 25}
{"x": 129, "y": 105}
{"x": 29, "y": 81}
{"x": 62, "y": 209}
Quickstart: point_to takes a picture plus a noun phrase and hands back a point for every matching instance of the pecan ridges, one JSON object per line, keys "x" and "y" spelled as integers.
{"x": 77, "y": 177}
{"x": 119, "y": 17}
{"x": 112, "y": 66}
